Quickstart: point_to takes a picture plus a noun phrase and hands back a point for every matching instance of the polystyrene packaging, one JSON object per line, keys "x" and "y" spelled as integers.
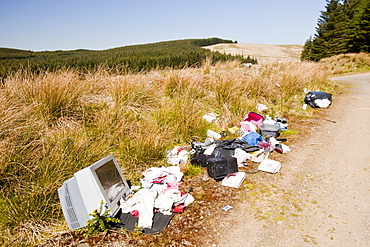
{"x": 213, "y": 134}
{"x": 271, "y": 166}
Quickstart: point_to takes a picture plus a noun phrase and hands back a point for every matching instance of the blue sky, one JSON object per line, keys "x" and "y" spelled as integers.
{"x": 40, "y": 25}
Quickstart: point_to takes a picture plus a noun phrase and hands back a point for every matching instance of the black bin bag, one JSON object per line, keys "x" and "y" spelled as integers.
{"x": 318, "y": 99}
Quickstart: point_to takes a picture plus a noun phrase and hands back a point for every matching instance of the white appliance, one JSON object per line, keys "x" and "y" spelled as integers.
{"x": 80, "y": 195}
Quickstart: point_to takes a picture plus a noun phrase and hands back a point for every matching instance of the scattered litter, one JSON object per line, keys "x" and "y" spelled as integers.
{"x": 247, "y": 127}
{"x": 285, "y": 148}
{"x": 271, "y": 166}
{"x": 210, "y": 117}
{"x": 254, "y": 118}
{"x": 226, "y": 207}
{"x": 241, "y": 156}
{"x": 247, "y": 65}
{"x": 318, "y": 99}
{"x": 270, "y": 130}
{"x": 281, "y": 122}
{"x": 152, "y": 204}
{"x": 177, "y": 156}
{"x": 205, "y": 177}
{"x": 213, "y": 134}
{"x": 209, "y": 150}
{"x": 220, "y": 167}
{"x": 135, "y": 188}
{"x": 257, "y": 156}
{"x": 252, "y": 138}
{"x": 233, "y": 130}
{"x": 261, "y": 107}
{"x": 234, "y": 179}
{"x": 160, "y": 192}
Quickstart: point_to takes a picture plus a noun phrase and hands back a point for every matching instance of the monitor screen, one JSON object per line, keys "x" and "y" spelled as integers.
{"x": 111, "y": 180}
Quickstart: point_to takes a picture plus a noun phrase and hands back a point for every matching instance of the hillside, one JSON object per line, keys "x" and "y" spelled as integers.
{"x": 264, "y": 53}
{"x": 174, "y": 54}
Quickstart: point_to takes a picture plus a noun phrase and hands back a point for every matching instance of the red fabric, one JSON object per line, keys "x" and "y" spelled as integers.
{"x": 135, "y": 213}
{"x": 179, "y": 208}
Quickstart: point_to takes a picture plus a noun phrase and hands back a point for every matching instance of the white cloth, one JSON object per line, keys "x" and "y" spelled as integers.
{"x": 172, "y": 174}
{"x": 145, "y": 200}
{"x": 161, "y": 195}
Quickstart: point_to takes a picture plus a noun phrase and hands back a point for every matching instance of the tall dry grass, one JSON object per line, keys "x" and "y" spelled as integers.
{"x": 48, "y": 95}
{"x": 347, "y": 63}
{"x": 54, "y": 124}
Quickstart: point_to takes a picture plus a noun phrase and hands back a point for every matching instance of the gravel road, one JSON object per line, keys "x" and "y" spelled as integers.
{"x": 321, "y": 196}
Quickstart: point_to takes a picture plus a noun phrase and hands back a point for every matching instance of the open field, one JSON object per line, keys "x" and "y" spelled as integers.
{"x": 54, "y": 124}
{"x": 264, "y": 53}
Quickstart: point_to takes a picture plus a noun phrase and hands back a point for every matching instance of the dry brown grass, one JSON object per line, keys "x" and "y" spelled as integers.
{"x": 57, "y": 123}
{"x": 347, "y": 63}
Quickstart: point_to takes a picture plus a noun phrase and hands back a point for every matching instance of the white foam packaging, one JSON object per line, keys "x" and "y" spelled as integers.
{"x": 233, "y": 179}
{"x": 268, "y": 165}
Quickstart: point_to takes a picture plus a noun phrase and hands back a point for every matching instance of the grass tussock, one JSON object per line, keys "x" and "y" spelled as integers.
{"x": 54, "y": 124}
{"x": 49, "y": 95}
{"x": 347, "y": 63}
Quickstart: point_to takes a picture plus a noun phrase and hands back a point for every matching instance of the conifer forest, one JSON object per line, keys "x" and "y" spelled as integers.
{"x": 135, "y": 58}
{"x": 343, "y": 27}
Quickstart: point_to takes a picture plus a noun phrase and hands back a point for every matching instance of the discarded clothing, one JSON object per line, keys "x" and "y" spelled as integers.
{"x": 160, "y": 191}
{"x": 253, "y": 138}
{"x": 146, "y": 200}
{"x": 177, "y": 156}
{"x": 164, "y": 175}
{"x": 143, "y": 202}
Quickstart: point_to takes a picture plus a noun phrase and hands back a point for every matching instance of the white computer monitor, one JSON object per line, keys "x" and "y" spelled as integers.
{"x": 81, "y": 194}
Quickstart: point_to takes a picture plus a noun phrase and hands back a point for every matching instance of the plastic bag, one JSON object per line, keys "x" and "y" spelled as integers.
{"x": 318, "y": 99}
{"x": 253, "y": 138}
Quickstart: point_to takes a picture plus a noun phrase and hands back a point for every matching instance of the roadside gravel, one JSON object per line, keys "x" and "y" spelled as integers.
{"x": 321, "y": 196}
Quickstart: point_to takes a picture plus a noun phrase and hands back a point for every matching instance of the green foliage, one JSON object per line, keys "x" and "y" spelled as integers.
{"x": 192, "y": 171}
{"x": 100, "y": 222}
{"x": 137, "y": 230}
{"x": 169, "y": 54}
{"x": 344, "y": 27}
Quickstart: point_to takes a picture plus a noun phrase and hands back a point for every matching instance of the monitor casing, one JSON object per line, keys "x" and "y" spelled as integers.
{"x": 80, "y": 195}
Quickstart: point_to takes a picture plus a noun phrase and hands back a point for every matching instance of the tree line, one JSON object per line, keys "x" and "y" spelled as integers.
{"x": 344, "y": 27}
{"x": 135, "y": 58}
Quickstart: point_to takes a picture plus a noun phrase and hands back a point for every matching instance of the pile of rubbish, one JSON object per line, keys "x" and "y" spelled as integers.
{"x": 159, "y": 193}
{"x": 222, "y": 157}
{"x": 258, "y": 137}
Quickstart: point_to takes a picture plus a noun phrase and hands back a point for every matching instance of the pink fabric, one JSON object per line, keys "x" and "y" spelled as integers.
{"x": 246, "y": 126}
{"x": 254, "y": 118}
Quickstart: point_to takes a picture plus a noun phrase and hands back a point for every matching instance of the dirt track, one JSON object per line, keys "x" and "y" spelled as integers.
{"x": 322, "y": 194}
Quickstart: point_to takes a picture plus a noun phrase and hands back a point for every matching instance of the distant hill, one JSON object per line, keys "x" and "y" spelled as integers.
{"x": 169, "y": 54}
{"x": 264, "y": 53}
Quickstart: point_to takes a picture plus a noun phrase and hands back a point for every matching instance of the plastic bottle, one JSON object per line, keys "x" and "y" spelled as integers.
{"x": 213, "y": 134}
